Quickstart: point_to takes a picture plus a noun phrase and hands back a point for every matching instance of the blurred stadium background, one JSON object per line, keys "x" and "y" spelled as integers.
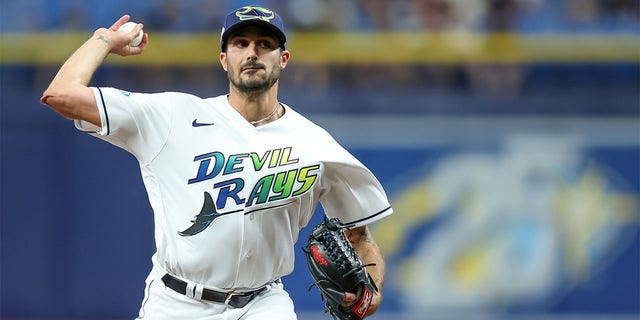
{"x": 506, "y": 132}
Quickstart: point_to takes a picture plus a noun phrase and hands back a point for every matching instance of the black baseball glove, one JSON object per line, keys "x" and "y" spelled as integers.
{"x": 336, "y": 268}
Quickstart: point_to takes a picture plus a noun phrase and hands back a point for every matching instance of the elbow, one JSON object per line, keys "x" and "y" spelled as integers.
{"x": 75, "y": 102}
{"x": 49, "y": 99}
{"x": 57, "y": 103}
{"x": 61, "y": 102}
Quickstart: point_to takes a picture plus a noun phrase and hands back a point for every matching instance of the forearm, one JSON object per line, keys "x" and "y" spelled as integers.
{"x": 68, "y": 93}
{"x": 82, "y": 64}
{"x": 370, "y": 254}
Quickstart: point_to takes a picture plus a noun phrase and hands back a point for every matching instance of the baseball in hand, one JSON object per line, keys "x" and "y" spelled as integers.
{"x": 127, "y": 27}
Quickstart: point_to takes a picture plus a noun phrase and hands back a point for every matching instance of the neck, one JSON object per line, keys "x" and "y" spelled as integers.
{"x": 275, "y": 114}
{"x": 256, "y": 107}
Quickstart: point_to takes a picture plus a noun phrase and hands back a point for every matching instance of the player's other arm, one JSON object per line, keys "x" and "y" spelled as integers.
{"x": 68, "y": 93}
{"x": 369, "y": 253}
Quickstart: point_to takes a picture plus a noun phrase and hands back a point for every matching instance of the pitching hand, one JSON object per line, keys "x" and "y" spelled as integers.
{"x": 118, "y": 41}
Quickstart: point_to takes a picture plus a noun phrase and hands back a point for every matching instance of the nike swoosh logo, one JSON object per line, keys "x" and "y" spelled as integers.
{"x": 196, "y": 124}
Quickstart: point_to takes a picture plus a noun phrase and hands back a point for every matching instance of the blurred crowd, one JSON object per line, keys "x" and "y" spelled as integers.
{"x": 206, "y": 15}
{"x": 504, "y": 80}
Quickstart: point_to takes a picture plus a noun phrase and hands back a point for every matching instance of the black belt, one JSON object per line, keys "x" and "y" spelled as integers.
{"x": 236, "y": 300}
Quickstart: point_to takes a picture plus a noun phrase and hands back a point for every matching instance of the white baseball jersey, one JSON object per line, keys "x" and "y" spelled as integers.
{"x": 229, "y": 198}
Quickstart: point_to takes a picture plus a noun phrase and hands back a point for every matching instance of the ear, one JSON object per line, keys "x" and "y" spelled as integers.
{"x": 284, "y": 58}
{"x": 223, "y": 60}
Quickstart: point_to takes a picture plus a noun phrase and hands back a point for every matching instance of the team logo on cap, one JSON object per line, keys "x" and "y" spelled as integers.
{"x": 252, "y": 13}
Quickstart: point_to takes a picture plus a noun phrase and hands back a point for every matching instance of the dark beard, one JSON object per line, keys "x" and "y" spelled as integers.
{"x": 254, "y": 85}
{"x": 257, "y": 85}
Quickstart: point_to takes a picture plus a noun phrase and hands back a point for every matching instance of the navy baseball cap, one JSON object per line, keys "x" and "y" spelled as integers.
{"x": 252, "y": 15}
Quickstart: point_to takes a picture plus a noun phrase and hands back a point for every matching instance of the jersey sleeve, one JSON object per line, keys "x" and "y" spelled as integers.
{"x": 354, "y": 195}
{"x": 136, "y": 122}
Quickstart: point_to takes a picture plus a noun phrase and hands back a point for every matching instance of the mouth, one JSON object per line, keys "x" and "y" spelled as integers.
{"x": 251, "y": 69}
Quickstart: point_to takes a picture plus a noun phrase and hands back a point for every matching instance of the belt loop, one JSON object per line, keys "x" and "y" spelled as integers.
{"x": 227, "y": 299}
{"x": 194, "y": 291}
{"x": 198, "y": 291}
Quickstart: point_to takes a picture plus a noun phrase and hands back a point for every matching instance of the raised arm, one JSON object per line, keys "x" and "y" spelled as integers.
{"x": 68, "y": 93}
{"x": 369, "y": 253}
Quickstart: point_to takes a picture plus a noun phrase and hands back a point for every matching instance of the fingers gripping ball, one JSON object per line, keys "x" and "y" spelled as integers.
{"x": 336, "y": 268}
{"x": 127, "y": 27}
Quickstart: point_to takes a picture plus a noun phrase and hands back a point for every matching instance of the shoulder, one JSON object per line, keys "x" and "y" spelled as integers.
{"x": 176, "y": 100}
{"x": 218, "y": 100}
{"x": 306, "y": 125}
{"x": 314, "y": 136}
{"x": 171, "y": 95}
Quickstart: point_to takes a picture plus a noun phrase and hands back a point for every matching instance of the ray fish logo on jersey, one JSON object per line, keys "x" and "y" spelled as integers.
{"x": 253, "y": 12}
{"x": 278, "y": 187}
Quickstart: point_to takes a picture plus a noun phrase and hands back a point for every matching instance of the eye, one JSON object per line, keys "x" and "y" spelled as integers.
{"x": 240, "y": 42}
{"x": 266, "y": 43}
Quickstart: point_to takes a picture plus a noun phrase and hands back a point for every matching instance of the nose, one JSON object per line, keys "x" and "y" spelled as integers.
{"x": 253, "y": 51}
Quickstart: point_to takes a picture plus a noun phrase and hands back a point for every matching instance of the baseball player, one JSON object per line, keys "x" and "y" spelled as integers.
{"x": 231, "y": 179}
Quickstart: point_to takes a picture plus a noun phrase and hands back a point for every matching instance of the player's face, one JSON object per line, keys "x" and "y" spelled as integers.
{"x": 253, "y": 59}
